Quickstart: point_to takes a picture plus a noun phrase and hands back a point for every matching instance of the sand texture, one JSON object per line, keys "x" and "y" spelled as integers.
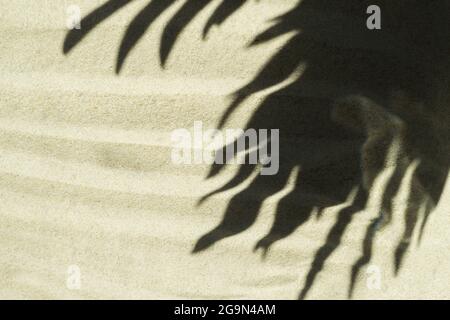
{"x": 87, "y": 181}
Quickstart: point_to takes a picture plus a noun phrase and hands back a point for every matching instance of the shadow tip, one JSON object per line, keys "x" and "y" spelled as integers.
{"x": 351, "y": 291}
{"x": 302, "y": 295}
{"x": 196, "y": 249}
{"x": 200, "y": 201}
{"x": 199, "y": 247}
{"x": 202, "y": 244}
{"x": 264, "y": 247}
{"x": 119, "y": 66}
{"x": 211, "y": 174}
{"x": 397, "y": 266}
{"x": 66, "y": 47}
{"x": 163, "y": 56}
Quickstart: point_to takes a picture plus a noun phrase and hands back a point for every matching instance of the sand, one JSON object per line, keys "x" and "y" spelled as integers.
{"x": 87, "y": 183}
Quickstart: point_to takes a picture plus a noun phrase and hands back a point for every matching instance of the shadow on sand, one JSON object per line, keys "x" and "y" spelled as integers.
{"x": 367, "y": 101}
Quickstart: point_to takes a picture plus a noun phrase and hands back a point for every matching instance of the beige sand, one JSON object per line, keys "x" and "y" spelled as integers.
{"x": 86, "y": 177}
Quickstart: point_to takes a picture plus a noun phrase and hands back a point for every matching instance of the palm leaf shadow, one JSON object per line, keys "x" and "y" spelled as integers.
{"x": 393, "y": 71}
{"x": 138, "y": 27}
{"x": 143, "y": 20}
{"x": 342, "y": 58}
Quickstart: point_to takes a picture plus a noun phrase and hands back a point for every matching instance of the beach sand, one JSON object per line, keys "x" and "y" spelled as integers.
{"x": 87, "y": 182}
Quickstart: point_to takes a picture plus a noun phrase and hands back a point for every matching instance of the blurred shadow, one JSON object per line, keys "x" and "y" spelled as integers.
{"x": 367, "y": 102}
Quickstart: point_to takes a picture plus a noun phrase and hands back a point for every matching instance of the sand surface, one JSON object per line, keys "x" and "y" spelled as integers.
{"x": 86, "y": 177}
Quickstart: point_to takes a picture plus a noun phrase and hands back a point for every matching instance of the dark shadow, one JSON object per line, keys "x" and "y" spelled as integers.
{"x": 367, "y": 100}
{"x": 143, "y": 20}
